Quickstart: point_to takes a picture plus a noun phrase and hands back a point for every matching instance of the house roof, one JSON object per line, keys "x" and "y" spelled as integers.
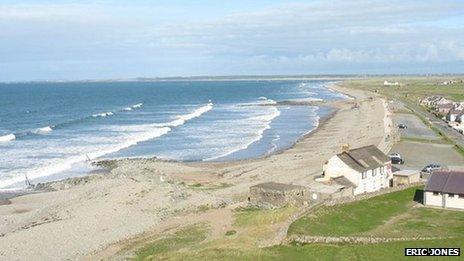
{"x": 364, "y": 158}
{"x": 343, "y": 181}
{"x": 446, "y": 181}
{"x": 277, "y": 186}
{"x": 406, "y": 173}
{"x": 445, "y": 105}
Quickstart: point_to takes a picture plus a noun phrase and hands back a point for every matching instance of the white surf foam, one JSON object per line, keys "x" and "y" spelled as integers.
{"x": 43, "y": 130}
{"x": 66, "y": 164}
{"x": 138, "y": 105}
{"x": 104, "y": 114}
{"x": 8, "y": 137}
{"x": 181, "y": 119}
{"x": 266, "y": 119}
{"x": 142, "y": 133}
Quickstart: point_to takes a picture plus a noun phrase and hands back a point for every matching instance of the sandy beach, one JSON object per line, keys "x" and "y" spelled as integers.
{"x": 92, "y": 217}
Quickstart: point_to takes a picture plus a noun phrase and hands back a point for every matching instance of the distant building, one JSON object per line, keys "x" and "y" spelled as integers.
{"x": 405, "y": 177}
{"x": 455, "y": 114}
{"x": 387, "y": 83}
{"x": 445, "y": 189}
{"x": 367, "y": 168}
{"x": 444, "y": 108}
{"x": 272, "y": 194}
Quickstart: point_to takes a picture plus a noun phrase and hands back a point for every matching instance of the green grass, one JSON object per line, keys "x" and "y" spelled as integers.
{"x": 384, "y": 251}
{"x": 459, "y": 149}
{"x": 422, "y": 140}
{"x": 390, "y": 215}
{"x": 354, "y": 218}
{"x": 162, "y": 248}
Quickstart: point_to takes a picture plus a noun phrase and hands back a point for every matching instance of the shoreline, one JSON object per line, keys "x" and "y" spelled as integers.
{"x": 153, "y": 192}
{"x": 334, "y": 105}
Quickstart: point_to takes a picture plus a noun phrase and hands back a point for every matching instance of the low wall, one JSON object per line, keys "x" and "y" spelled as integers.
{"x": 344, "y": 200}
{"x": 352, "y": 240}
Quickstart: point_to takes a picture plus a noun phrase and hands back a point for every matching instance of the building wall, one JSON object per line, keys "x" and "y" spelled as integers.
{"x": 373, "y": 181}
{"x": 405, "y": 180}
{"x": 433, "y": 200}
{"x": 272, "y": 198}
{"x": 335, "y": 167}
{"x": 454, "y": 202}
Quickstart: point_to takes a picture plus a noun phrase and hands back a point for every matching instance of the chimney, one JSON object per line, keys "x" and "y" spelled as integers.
{"x": 345, "y": 147}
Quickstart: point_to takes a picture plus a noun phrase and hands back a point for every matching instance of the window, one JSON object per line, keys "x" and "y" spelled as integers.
{"x": 451, "y": 195}
{"x": 382, "y": 170}
{"x": 436, "y": 193}
{"x": 374, "y": 172}
{"x": 364, "y": 174}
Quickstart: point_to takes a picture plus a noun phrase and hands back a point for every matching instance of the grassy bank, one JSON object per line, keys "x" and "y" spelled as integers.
{"x": 391, "y": 215}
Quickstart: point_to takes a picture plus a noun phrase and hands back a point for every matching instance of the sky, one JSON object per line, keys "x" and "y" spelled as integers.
{"x": 115, "y": 39}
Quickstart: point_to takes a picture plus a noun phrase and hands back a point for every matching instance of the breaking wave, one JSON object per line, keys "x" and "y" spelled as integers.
{"x": 145, "y": 132}
{"x": 181, "y": 119}
{"x": 44, "y": 130}
{"x": 266, "y": 119}
{"x": 104, "y": 114}
{"x": 8, "y": 137}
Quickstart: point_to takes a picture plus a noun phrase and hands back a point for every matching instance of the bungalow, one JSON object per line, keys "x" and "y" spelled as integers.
{"x": 367, "y": 168}
{"x": 445, "y": 189}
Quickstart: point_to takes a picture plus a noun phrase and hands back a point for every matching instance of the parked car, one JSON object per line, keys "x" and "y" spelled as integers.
{"x": 431, "y": 167}
{"x": 402, "y": 126}
{"x": 396, "y": 158}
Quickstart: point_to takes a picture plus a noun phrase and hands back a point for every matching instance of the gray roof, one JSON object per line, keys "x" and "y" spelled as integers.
{"x": 277, "y": 186}
{"x": 364, "y": 158}
{"x": 342, "y": 180}
{"x": 406, "y": 173}
{"x": 446, "y": 181}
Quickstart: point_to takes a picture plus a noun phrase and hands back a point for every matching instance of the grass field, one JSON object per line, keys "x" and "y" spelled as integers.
{"x": 390, "y": 215}
{"x": 412, "y": 88}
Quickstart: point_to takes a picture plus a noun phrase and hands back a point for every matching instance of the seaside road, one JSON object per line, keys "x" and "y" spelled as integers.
{"x": 453, "y": 135}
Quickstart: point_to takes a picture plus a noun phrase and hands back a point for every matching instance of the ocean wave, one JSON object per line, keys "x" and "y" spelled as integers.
{"x": 135, "y": 106}
{"x": 138, "y": 105}
{"x": 104, "y": 114}
{"x": 265, "y": 119}
{"x": 181, "y": 119}
{"x": 8, "y": 137}
{"x": 44, "y": 130}
{"x": 57, "y": 167}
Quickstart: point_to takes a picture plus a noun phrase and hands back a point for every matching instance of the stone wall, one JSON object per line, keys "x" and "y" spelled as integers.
{"x": 344, "y": 200}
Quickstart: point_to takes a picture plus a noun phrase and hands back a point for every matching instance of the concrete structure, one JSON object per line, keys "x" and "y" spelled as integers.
{"x": 445, "y": 189}
{"x": 367, "y": 168}
{"x": 271, "y": 195}
{"x": 405, "y": 177}
{"x": 320, "y": 191}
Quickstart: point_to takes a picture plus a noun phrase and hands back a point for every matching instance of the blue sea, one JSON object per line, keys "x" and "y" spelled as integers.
{"x": 50, "y": 131}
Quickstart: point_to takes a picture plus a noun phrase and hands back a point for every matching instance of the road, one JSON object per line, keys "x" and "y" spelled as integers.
{"x": 442, "y": 126}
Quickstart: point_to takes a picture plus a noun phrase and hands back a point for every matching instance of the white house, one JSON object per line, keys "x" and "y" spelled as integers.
{"x": 387, "y": 83}
{"x": 367, "y": 168}
{"x": 445, "y": 189}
